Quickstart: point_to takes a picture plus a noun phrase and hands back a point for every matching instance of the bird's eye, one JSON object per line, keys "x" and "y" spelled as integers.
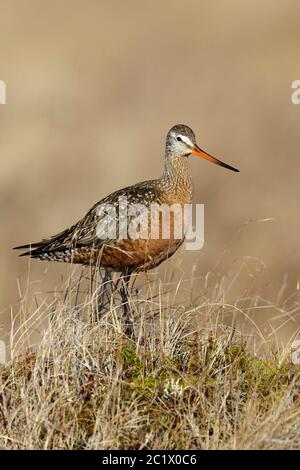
{"x": 179, "y": 139}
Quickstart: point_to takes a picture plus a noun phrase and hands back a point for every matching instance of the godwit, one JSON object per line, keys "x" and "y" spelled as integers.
{"x": 81, "y": 243}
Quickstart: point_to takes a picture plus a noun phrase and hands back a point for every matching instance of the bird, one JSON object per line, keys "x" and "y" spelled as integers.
{"x": 84, "y": 243}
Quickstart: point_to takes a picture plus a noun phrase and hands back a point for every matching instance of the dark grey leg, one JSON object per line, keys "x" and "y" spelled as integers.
{"x": 129, "y": 330}
{"x": 103, "y": 292}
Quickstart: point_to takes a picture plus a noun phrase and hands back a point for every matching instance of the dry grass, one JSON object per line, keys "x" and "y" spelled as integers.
{"x": 187, "y": 382}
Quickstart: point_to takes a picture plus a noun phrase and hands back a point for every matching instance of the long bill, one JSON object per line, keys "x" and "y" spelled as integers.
{"x": 201, "y": 153}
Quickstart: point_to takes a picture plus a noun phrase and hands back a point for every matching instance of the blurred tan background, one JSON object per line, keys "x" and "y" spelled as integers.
{"x": 92, "y": 89}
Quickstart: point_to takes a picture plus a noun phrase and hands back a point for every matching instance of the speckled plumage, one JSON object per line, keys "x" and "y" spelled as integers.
{"x": 80, "y": 243}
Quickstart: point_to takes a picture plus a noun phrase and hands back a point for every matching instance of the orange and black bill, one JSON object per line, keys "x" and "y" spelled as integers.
{"x": 200, "y": 153}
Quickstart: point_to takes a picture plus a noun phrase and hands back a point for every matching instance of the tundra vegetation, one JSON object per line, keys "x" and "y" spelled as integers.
{"x": 191, "y": 379}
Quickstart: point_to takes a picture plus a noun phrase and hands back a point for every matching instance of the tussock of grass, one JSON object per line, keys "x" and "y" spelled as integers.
{"x": 177, "y": 386}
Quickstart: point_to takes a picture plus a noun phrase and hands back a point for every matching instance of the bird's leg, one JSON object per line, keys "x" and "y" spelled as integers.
{"x": 101, "y": 294}
{"x": 129, "y": 330}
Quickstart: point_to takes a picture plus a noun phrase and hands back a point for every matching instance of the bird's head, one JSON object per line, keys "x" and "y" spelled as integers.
{"x": 181, "y": 142}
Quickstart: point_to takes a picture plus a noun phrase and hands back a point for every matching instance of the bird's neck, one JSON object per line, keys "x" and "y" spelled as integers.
{"x": 176, "y": 178}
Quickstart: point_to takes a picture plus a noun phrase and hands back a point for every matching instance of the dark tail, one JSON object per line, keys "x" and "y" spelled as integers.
{"x": 32, "y": 247}
{"x": 28, "y": 245}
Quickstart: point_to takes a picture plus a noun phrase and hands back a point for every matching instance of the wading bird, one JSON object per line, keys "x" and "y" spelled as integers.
{"x": 82, "y": 244}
